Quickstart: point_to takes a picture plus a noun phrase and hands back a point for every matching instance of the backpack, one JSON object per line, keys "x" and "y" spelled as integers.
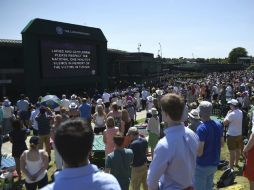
{"x": 226, "y": 179}
{"x": 222, "y": 165}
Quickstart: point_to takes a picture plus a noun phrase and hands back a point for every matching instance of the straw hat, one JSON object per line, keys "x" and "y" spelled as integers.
{"x": 194, "y": 114}
{"x": 154, "y": 111}
{"x": 149, "y": 98}
{"x": 159, "y": 92}
{"x": 99, "y": 101}
{"x": 73, "y": 105}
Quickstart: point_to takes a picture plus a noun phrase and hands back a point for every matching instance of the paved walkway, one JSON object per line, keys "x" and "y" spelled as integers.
{"x": 6, "y": 147}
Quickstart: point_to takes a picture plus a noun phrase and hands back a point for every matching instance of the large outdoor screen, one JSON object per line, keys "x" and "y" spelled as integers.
{"x": 67, "y": 59}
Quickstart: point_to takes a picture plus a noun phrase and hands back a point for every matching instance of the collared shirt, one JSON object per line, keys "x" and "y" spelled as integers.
{"x": 105, "y": 97}
{"x": 7, "y": 112}
{"x": 86, "y": 177}
{"x": 144, "y": 94}
{"x": 154, "y": 125}
{"x": 65, "y": 103}
{"x": 32, "y": 118}
{"x": 139, "y": 147}
{"x": 85, "y": 110}
{"x": 22, "y": 105}
{"x": 174, "y": 161}
{"x": 235, "y": 118}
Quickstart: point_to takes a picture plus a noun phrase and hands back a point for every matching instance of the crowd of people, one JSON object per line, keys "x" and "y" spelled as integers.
{"x": 183, "y": 142}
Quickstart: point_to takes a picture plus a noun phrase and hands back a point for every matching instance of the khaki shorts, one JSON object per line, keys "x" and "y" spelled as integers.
{"x": 234, "y": 142}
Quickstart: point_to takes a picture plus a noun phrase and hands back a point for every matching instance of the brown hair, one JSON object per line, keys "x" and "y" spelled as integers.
{"x": 173, "y": 105}
{"x": 125, "y": 115}
{"x": 118, "y": 139}
{"x": 110, "y": 122}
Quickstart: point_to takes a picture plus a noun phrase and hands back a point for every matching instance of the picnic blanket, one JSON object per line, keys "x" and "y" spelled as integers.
{"x": 8, "y": 163}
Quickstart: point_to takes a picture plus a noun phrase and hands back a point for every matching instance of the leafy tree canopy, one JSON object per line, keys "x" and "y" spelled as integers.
{"x": 236, "y": 53}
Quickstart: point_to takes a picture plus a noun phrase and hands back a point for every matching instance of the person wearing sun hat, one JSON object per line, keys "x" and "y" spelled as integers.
{"x": 8, "y": 111}
{"x": 153, "y": 128}
{"x": 73, "y": 110}
{"x": 194, "y": 119}
{"x": 234, "y": 134}
{"x": 149, "y": 103}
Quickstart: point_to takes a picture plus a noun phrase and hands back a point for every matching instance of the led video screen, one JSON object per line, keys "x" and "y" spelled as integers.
{"x": 67, "y": 58}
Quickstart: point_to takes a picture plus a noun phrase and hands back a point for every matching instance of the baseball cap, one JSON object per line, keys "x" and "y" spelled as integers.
{"x": 233, "y": 102}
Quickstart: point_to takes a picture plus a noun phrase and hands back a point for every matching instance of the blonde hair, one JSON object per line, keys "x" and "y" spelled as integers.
{"x": 100, "y": 110}
{"x": 114, "y": 106}
{"x": 125, "y": 115}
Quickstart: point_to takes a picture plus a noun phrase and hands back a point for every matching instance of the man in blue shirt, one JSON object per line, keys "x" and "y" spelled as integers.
{"x": 139, "y": 147}
{"x": 74, "y": 141}
{"x": 85, "y": 111}
{"x": 174, "y": 160}
{"x": 211, "y": 139}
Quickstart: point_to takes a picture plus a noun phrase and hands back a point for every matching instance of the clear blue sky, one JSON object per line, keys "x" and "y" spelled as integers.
{"x": 203, "y": 28}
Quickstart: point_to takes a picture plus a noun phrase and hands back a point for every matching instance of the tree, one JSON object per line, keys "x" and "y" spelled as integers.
{"x": 236, "y": 53}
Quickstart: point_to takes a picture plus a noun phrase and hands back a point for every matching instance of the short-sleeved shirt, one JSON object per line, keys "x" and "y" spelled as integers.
{"x": 105, "y": 97}
{"x": 139, "y": 148}
{"x": 32, "y": 118}
{"x": 235, "y": 118}
{"x": 22, "y": 105}
{"x": 43, "y": 124}
{"x": 119, "y": 163}
{"x": 154, "y": 125}
{"x": 7, "y": 112}
{"x": 210, "y": 132}
{"x": 85, "y": 111}
{"x": 65, "y": 103}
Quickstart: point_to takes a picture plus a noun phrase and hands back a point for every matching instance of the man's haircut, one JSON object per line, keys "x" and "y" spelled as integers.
{"x": 74, "y": 141}
{"x": 118, "y": 139}
{"x": 173, "y": 105}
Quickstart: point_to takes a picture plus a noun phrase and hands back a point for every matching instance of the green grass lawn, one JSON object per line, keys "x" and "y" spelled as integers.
{"x": 240, "y": 180}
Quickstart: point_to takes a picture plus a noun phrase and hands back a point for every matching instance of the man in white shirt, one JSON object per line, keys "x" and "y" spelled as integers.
{"x": 65, "y": 102}
{"x": 8, "y": 111}
{"x": 33, "y": 122}
{"x": 106, "y": 100}
{"x": 174, "y": 160}
{"x": 234, "y": 134}
{"x": 229, "y": 92}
